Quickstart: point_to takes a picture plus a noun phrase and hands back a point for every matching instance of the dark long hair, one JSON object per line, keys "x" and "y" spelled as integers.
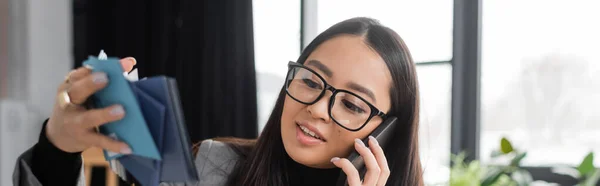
{"x": 263, "y": 161}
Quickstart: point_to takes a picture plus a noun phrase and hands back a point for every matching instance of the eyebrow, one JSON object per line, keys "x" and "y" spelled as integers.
{"x": 351, "y": 85}
{"x": 362, "y": 89}
{"x": 320, "y": 66}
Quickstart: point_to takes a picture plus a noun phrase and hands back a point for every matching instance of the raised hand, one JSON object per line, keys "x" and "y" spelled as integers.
{"x": 72, "y": 127}
{"x": 378, "y": 170}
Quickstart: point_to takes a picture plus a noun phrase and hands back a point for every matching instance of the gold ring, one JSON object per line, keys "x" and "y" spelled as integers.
{"x": 64, "y": 99}
{"x": 68, "y": 76}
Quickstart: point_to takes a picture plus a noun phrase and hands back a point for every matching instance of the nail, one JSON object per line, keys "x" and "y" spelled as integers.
{"x": 334, "y": 159}
{"x": 134, "y": 61}
{"x": 359, "y": 142}
{"x": 371, "y": 138}
{"x": 100, "y": 78}
{"x": 118, "y": 110}
{"x": 88, "y": 67}
{"x": 126, "y": 150}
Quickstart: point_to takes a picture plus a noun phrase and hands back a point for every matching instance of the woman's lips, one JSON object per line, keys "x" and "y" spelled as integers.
{"x": 306, "y": 139}
{"x": 312, "y": 129}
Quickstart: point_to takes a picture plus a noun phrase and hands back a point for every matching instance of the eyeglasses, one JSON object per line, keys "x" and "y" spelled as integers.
{"x": 347, "y": 109}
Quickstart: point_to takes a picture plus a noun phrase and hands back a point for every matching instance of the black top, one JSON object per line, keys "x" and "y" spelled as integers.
{"x": 53, "y": 166}
{"x": 303, "y": 175}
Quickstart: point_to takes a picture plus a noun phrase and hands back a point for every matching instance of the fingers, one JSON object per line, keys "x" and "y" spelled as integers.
{"x": 73, "y": 76}
{"x": 381, "y": 161}
{"x": 349, "y": 169}
{"x": 373, "y": 169}
{"x": 128, "y": 63}
{"x": 97, "y": 117}
{"x": 82, "y": 89}
{"x": 84, "y": 84}
{"x": 78, "y": 74}
{"x": 106, "y": 142}
{"x": 73, "y": 126}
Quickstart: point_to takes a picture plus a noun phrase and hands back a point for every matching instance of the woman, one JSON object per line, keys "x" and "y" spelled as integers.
{"x": 346, "y": 82}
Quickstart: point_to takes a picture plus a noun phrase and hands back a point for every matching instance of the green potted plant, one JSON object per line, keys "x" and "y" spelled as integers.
{"x": 586, "y": 173}
{"x": 508, "y": 172}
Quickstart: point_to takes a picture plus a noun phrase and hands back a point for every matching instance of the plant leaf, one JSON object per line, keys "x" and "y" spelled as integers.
{"x": 458, "y": 158}
{"x": 522, "y": 177}
{"x": 505, "y": 146}
{"x": 587, "y": 164}
{"x": 496, "y": 153}
{"x": 566, "y": 170}
{"x": 464, "y": 173}
{"x": 517, "y": 160}
{"x": 492, "y": 176}
{"x": 504, "y": 180}
{"x": 592, "y": 180}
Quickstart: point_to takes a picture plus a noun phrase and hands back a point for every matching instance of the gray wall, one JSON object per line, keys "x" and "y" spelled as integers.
{"x": 35, "y": 54}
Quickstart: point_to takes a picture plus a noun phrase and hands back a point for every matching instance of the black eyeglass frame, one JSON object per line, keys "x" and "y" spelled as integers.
{"x": 374, "y": 110}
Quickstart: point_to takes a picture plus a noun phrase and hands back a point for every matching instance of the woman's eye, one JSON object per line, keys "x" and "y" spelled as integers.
{"x": 312, "y": 84}
{"x": 352, "y": 107}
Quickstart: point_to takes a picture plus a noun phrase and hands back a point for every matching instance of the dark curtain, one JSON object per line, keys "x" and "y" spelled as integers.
{"x": 206, "y": 45}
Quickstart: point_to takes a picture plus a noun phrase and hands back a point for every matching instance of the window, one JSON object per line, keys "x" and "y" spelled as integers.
{"x": 541, "y": 79}
{"x": 276, "y": 42}
{"x": 435, "y": 83}
{"x": 429, "y": 37}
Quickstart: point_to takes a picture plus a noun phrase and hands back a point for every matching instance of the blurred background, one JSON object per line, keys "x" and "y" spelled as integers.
{"x": 526, "y": 71}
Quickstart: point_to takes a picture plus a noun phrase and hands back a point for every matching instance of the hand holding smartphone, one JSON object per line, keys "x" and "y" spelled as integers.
{"x": 383, "y": 133}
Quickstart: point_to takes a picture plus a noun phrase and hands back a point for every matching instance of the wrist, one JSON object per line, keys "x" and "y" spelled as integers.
{"x": 47, "y": 140}
{"x": 54, "y": 139}
{"x": 48, "y": 133}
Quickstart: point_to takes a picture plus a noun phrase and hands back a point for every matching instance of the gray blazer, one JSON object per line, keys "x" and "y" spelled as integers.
{"x": 214, "y": 162}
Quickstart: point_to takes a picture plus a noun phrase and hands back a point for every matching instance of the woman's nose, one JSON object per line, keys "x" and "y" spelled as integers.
{"x": 319, "y": 110}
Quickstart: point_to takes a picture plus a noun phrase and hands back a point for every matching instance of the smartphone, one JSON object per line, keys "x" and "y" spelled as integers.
{"x": 382, "y": 133}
